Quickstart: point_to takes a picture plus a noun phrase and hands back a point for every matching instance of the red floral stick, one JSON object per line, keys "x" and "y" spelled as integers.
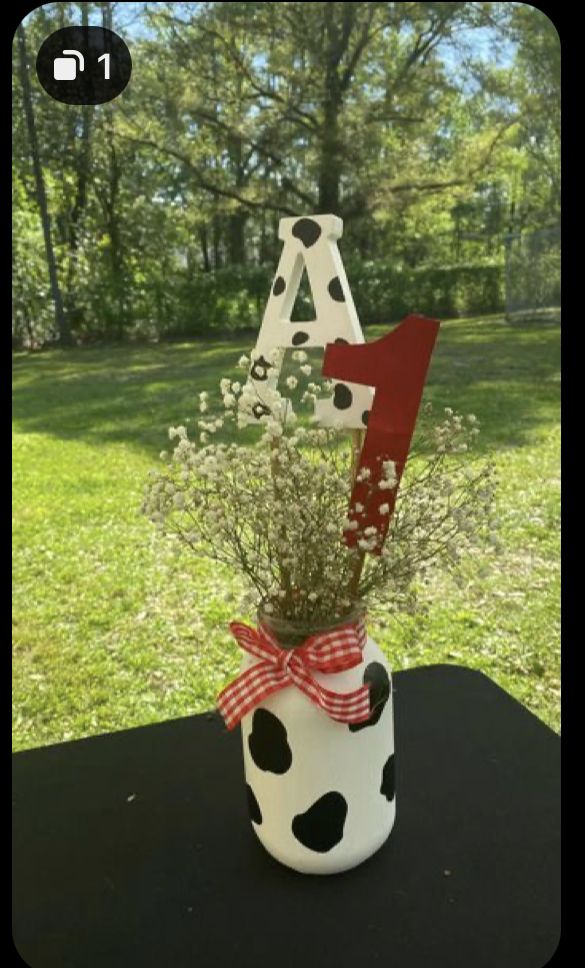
{"x": 396, "y": 366}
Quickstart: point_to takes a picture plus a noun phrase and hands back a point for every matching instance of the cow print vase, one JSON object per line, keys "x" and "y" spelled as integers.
{"x": 322, "y": 794}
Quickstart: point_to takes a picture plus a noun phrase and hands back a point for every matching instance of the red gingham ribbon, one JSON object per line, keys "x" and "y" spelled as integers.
{"x": 278, "y": 668}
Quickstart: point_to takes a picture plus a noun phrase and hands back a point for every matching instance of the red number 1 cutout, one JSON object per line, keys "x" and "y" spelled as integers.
{"x": 396, "y": 366}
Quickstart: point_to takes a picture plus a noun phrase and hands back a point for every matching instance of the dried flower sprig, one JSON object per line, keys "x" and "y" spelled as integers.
{"x": 276, "y": 511}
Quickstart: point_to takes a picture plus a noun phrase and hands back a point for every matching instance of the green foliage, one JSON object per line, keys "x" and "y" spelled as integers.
{"x": 165, "y": 203}
{"x": 32, "y": 311}
{"x": 384, "y": 292}
{"x": 233, "y": 299}
{"x": 533, "y": 272}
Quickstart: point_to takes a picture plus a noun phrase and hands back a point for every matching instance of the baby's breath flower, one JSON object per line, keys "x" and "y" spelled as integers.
{"x": 280, "y": 507}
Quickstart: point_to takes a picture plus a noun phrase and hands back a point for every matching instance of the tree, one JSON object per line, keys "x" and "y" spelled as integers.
{"x": 163, "y": 205}
{"x": 61, "y": 322}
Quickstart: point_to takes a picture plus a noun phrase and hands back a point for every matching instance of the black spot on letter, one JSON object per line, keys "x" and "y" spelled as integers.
{"x": 260, "y": 410}
{"x": 321, "y": 826}
{"x": 335, "y": 290}
{"x": 387, "y": 788}
{"x": 342, "y": 396}
{"x": 260, "y": 369}
{"x": 365, "y": 417}
{"x": 376, "y": 677}
{"x": 307, "y": 231}
{"x": 253, "y": 806}
{"x": 299, "y": 338}
{"x": 268, "y": 745}
{"x": 279, "y": 286}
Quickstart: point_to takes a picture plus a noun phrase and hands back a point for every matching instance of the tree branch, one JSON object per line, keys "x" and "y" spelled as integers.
{"x": 212, "y": 188}
{"x": 439, "y": 185}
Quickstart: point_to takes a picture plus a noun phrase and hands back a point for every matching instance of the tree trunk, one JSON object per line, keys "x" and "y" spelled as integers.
{"x": 116, "y": 254}
{"x": 236, "y": 238}
{"x": 78, "y": 211}
{"x": 122, "y": 297}
{"x": 336, "y": 42}
{"x": 216, "y": 226}
{"x": 330, "y": 161}
{"x": 61, "y": 322}
{"x": 262, "y": 243}
{"x": 237, "y": 220}
{"x": 204, "y": 248}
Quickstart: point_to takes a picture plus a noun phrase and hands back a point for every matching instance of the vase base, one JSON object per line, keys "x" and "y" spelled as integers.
{"x": 322, "y": 864}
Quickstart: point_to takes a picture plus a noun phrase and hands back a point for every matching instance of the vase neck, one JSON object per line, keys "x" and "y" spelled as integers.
{"x": 291, "y": 634}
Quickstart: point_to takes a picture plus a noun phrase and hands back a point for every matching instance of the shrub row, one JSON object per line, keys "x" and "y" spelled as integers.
{"x": 228, "y": 300}
{"x": 233, "y": 299}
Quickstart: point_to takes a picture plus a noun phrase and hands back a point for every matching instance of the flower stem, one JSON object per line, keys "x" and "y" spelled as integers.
{"x": 357, "y": 442}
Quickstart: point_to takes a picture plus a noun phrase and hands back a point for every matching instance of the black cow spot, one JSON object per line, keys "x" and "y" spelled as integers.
{"x": 340, "y": 339}
{"x": 307, "y": 230}
{"x": 335, "y": 290}
{"x": 299, "y": 338}
{"x": 365, "y": 417}
{"x": 342, "y": 396}
{"x": 388, "y": 789}
{"x": 253, "y": 805}
{"x": 377, "y": 678}
{"x": 260, "y": 369}
{"x": 321, "y": 826}
{"x": 260, "y": 410}
{"x": 268, "y": 744}
{"x": 279, "y": 286}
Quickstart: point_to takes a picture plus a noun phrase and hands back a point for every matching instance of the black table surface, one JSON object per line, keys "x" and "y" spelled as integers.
{"x": 136, "y": 849}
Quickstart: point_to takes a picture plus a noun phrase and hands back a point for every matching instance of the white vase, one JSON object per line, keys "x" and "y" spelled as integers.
{"x": 321, "y": 793}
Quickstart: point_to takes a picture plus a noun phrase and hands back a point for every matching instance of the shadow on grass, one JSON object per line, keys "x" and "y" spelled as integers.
{"x": 507, "y": 375}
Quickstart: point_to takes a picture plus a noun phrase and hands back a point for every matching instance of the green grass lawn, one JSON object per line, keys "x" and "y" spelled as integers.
{"x": 114, "y": 628}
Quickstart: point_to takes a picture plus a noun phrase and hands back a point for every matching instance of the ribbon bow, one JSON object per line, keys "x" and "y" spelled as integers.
{"x": 278, "y": 668}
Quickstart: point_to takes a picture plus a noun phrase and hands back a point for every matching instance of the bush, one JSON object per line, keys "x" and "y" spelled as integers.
{"x": 231, "y": 299}
{"x": 384, "y": 293}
